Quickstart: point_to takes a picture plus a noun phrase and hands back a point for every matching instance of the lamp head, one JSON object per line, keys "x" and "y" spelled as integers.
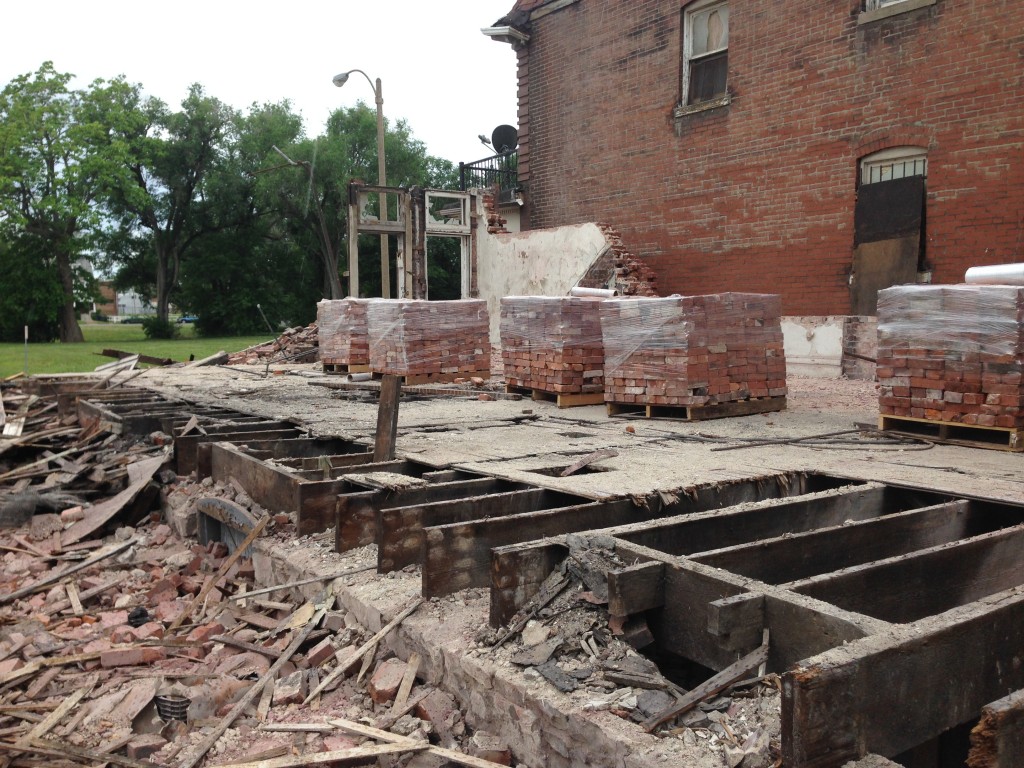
{"x": 340, "y": 80}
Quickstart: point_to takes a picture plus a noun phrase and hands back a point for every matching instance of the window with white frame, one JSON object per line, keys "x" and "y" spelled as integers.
{"x": 871, "y": 5}
{"x": 705, "y": 52}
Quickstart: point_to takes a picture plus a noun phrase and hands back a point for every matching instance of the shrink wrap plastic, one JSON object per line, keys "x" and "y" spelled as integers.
{"x": 416, "y": 338}
{"x": 342, "y": 333}
{"x": 693, "y": 350}
{"x": 552, "y": 343}
{"x": 952, "y": 353}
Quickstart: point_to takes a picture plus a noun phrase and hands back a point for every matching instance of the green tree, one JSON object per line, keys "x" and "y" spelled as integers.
{"x": 49, "y": 184}
{"x": 311, "y": 188}
{"x": 156, "y": 180}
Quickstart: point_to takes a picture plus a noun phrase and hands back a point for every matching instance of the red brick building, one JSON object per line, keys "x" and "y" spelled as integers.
{"x": 820, "y": 150}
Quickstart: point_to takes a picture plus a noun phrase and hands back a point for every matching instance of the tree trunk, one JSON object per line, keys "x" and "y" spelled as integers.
{"x": 164, "y": 281}
{"x": 70, "y": 330}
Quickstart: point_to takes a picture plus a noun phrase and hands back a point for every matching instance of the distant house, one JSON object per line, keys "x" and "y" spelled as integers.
{"x": 818, "y": 150}
{"x": 123, "y": 303}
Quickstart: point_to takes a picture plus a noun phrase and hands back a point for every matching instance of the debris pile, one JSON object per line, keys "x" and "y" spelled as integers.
{"x": 122, "y": 643}
{"x": 566, "y": 638}
{"x": 552, "y": 343}
{"x": 297, "y": 345}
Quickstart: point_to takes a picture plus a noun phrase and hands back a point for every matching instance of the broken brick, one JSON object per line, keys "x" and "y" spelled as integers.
{"x": 145, "y": 746}
{"x": 386, "y": 680}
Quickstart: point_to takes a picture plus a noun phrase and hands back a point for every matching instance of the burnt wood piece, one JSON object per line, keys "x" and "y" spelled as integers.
{"x": 801, "y": 555}
{"x": 186, "y": 447}
{"x": 799, "y": 626}
{"x": 401, "y": 529}
{"x": 458, "y": 555}
{"x": 269, "y": 449}
{"x": 387, "y": 418}
{"x": 997, "y": 741}
{"x": 768, "y": 518}
{"x": 518, "y": 572}
{"x": 357, "y": 511}
{"x": 68, "y": 397}
{"x": 737, "y": 621}
{"x": 636, "y": 588}
{"x": 889, "y": 693}
{"x": 927, "y": 582}
{"x": 280, "y": 490}
{"x": 145, "y": 359}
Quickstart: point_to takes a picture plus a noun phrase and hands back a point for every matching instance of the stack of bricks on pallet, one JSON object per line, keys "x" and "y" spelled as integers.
{"x": 341, "y": 328}
{"x": 693, "y": 350}
{"x": 429, "y": 338}
{"x": 552, "y": 344}
{"x": 952, "y": 353}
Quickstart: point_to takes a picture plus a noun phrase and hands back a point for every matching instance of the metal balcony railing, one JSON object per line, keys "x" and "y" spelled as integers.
{"x": 501, "y": 171}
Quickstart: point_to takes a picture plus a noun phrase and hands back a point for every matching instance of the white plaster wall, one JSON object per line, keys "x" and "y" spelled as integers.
{"x": 814, "y": 346}
{"x": 540, "y": 262}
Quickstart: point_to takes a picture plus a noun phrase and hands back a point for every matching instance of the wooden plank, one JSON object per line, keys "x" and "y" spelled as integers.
{"x": 997, "y": 741}
{"x": 636, "y": 588}
{"x": 224, "y": 568}
{"x": 927, "y": 582}
{"x": 953, "y": 433}
{"x": 217, "y": 358}
{"x": 186, "y": 447}
{"x": 517, "y": 573}
{"x": 101, "y": 514}
{"x": 800, "y": 555}
{"x": 347, "y": 664}
{"x": 53, "y": 578}
{"x": 840, "y": 705}
{"x": 145, "y": 359}
{"x": 408, "y": 679}
{"x": 716, "y": 684}
{"x": 356, "y": 522}
{"x": 401, "y": 529}
{"x": 351, "y": 756}
{"x": 737, "y": 621}
{"x": 252, "y": 692}
{"x": 387, "y": 418}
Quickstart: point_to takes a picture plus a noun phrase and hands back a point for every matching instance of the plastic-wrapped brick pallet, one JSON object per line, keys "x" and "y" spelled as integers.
{"x": 952, "y": 353}
{"x": 552, "y": 344}
{"x": 693, "y": 350}
{"x": 429, "y": 338}
{"x": 342, "y": 332}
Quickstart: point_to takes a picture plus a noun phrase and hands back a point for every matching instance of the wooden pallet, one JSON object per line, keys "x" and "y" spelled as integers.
{"x": 561, "y": 399}
{"x": 699, "y": 412}
{"x": 342, "y": 369}
{"x": 953, "y": 433}
{"x": 413, "y": 380}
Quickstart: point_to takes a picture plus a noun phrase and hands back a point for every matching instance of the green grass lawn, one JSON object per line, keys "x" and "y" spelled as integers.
{"x": 68, "y": 358}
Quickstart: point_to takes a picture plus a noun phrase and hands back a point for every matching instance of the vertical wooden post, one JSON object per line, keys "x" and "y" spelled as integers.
{"x": 387, "y": 418}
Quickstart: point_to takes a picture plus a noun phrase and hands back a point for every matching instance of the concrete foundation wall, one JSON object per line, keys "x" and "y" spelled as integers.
{"x": 814, "y": 346}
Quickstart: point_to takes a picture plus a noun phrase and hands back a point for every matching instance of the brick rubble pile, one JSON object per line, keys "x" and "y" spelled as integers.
{"x": 429, "y": 338}
{"x": 298, "y": 345}
{"x": 342, "y": 331}
{"x": 552, "y": 344}
{"x": 693, "y": 350}
{"x": 952, "y": 353}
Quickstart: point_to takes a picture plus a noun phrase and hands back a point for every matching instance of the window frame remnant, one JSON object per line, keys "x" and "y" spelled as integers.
{"x": 704, "y": 67}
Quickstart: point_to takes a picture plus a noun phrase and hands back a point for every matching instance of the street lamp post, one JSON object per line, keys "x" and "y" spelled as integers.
{"x": 385, "y": 270}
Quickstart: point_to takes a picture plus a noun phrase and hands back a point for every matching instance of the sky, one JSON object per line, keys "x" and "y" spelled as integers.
{"x": 437, "y": 70}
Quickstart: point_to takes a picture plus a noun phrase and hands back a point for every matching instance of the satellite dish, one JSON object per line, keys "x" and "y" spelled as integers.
{"x": 504, "y": 138}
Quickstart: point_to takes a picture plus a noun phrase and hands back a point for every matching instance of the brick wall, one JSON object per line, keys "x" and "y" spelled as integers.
{"x": 759, "y": 195}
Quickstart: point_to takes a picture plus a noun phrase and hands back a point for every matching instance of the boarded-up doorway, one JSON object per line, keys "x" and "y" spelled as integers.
{"x": 889, "y": 224}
